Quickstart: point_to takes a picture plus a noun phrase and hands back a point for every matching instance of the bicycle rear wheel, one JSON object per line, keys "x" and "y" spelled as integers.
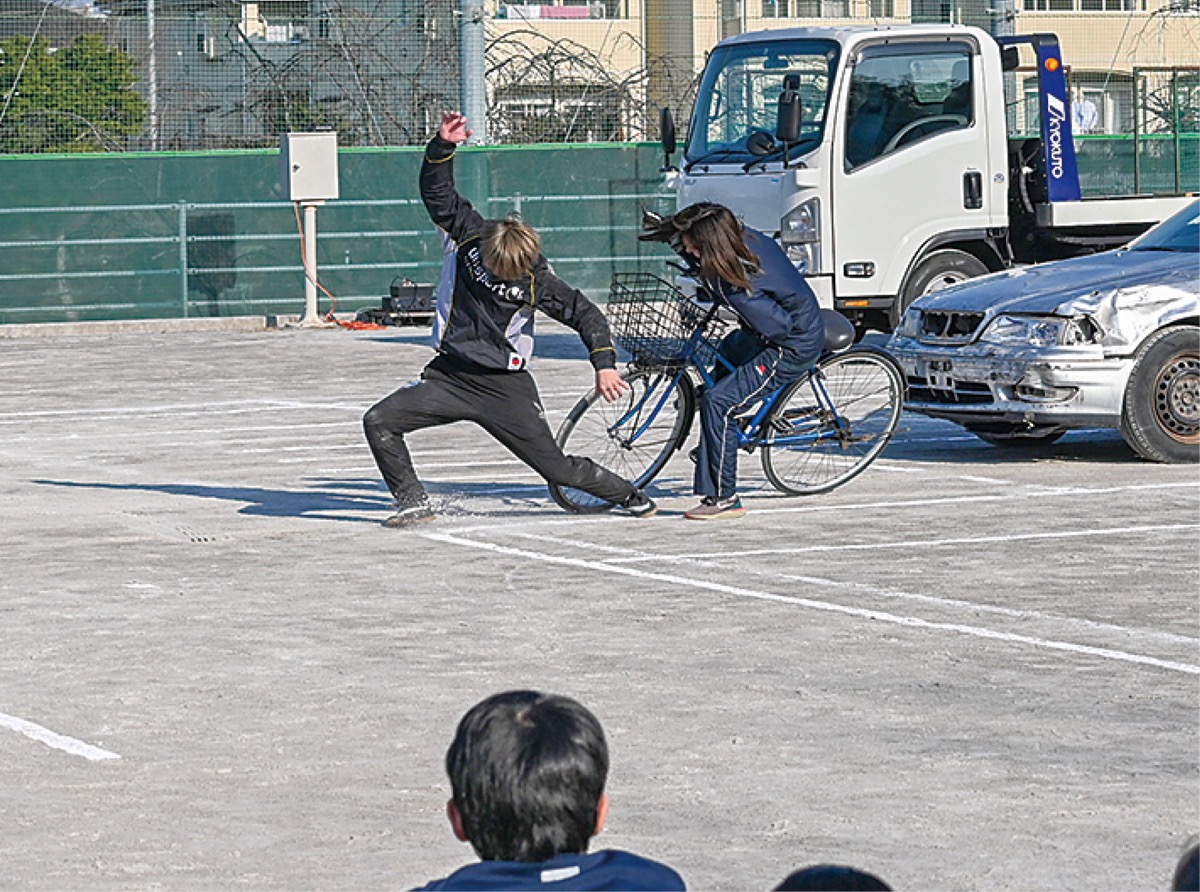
{"x": 634, "y": 436}
{"x": 832, "y": 423}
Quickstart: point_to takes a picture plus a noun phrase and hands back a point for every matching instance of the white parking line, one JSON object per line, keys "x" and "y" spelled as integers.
{"x": 509, "y": 477}
{"x": 177, "y": 410}
{"x": 1031, "y": 492}
{"x": 908, "y": 544}
{"x": 862, "y": 613}
{"x": 214, "y": 435}
{"x": 55, "y": 741}
{"x": 706, "y": 559}
{"x": 1024, "y": 493}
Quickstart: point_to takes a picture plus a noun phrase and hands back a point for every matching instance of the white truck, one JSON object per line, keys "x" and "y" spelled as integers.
{"x": 880, "y": 158}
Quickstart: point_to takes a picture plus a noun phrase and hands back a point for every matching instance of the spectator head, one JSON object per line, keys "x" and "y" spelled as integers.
{"x": 510, "y": 247}
{"x": 832, "y": 878}
{"x": 711, "y": 235}
{"x": 1187, "y": 872}
{"x": 527, "y": 773}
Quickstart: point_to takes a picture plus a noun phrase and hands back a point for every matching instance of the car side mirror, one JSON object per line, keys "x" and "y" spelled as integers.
{"x": 760, "y": 143}
{"x": 666, "y": 126}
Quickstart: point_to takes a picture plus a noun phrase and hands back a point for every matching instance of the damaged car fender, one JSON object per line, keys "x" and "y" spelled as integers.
{"x": 1109, "y": 340}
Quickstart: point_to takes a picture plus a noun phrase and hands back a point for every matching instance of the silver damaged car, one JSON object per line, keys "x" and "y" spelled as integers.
{"x": 1108, "y": 340}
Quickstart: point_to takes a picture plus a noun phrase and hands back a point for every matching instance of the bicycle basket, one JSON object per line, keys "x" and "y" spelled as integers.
{"x": 653, "y": 321}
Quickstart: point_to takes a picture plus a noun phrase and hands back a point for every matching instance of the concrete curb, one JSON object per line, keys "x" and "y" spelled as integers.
{"x": 155, "y": 326}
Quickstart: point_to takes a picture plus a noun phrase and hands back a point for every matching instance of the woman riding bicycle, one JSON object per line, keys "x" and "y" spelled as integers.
{"x": 781, "y": 334}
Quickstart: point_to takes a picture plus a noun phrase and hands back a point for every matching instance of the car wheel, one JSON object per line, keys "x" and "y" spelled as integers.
{"x": 938, "y": 270}
{"x": 1160, "y": 418}
{"x": 1014, "y": 435}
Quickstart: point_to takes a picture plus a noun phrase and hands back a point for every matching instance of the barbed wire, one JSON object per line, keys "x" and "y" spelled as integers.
{"x": 377, "y": 71}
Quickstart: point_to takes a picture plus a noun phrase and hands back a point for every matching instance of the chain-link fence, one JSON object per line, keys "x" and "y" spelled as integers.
{"x": 105, "y": 75}
{"x": 162, "y": 75}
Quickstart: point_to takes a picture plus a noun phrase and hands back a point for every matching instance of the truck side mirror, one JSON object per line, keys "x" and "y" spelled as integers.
{"x": 666, "y": 126}
{"x": 1010, "y": 58}
{"x": 787, "y": 124}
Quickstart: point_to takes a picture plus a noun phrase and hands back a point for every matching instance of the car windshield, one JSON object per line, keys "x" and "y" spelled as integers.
{"x": 739, "y": 95}
{"x": 1178, "y": 233}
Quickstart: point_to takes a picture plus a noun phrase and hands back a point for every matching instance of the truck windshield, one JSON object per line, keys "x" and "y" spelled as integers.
{"x": 739, "y": 95}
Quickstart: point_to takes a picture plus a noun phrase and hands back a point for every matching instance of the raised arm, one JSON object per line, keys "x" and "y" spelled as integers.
{"x": 448, "y": 210}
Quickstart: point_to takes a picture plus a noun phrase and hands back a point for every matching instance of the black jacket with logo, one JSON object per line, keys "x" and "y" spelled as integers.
{"x": 481, "y": 320}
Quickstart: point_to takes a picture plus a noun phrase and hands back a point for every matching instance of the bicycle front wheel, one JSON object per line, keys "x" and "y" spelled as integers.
{"x": 633, "y": 436}
{"x": 832, "y": 423}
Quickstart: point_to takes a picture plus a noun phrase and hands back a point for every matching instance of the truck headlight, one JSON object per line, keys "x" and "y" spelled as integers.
{"x": 800, "y": 235}
{"x": 1040, "y": 331}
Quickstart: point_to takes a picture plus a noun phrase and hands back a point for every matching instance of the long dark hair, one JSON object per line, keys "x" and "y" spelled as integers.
{"x": 717, "y": 235}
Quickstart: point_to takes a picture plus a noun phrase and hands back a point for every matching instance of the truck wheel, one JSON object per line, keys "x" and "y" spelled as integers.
{"x": 935, "y": 271}
{"x": 1160, "y": 417}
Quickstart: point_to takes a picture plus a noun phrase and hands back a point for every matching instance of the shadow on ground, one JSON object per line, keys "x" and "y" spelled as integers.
{"x": 360, "y": 496}
{"x": 951, "y": 443}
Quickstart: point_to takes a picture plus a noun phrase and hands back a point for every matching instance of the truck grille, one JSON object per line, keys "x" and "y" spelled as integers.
{"x": 949, "y": 326}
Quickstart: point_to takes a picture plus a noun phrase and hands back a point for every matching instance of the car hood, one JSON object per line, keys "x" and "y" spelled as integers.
{"x": 1129, "y": 293}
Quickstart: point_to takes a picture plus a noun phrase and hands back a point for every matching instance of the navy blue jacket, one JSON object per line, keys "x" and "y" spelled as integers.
{"x": 483, "y": 321}
{"x": 608, "y": 869}
{"x": 780, "y": 307}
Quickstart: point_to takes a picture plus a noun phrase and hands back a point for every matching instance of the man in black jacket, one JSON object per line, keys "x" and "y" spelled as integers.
{"x": 494, "y": 276}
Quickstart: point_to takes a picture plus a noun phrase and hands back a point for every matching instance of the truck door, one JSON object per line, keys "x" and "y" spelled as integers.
{"x": 912, "y": 162}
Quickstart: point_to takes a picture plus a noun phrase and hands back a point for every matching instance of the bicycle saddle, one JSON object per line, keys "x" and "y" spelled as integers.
{"x": 839, "y": 331}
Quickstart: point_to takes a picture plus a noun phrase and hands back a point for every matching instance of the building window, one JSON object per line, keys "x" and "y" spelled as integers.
{"x": 810, "y": 9}
{"x": 1049, "y": 5}
{"x": 562, "y": 113}
{"x": 1086, "y": 5}
{"x": 1100, "y": 103}
{"x": 563, "y": 9}
{"x": 276, "y": 21}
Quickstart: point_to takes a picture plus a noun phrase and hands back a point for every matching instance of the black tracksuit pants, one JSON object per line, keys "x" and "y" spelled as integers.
{"x": 505, "y": 404}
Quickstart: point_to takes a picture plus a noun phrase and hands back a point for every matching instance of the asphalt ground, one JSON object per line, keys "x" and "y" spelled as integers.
{"x": 967, "y": 669}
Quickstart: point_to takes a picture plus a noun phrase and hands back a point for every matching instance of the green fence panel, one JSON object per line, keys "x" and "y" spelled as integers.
{"x": 144, "y": 236}
{"x": 161, "y": 236}
{"x": 1117, "y": 165}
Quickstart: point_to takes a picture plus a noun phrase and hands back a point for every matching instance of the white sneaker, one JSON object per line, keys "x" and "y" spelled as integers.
{"x": 410, "y": 516}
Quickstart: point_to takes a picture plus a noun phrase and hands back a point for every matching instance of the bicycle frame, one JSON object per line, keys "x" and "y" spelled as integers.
{"x": 752, "y": 434}
{"x": 815, "y": 434}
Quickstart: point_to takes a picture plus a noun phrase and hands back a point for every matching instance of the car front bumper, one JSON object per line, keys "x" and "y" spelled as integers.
{"x": 1037, "y": 388}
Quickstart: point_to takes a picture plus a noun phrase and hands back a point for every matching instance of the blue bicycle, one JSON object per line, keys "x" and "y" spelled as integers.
{"x": 813, "y": 435}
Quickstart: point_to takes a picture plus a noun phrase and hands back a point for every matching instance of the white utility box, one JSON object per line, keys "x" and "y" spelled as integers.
{"x": 309, "y": 166}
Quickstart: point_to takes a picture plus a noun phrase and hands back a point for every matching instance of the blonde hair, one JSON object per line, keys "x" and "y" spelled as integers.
{"x": 510, "y": 248}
